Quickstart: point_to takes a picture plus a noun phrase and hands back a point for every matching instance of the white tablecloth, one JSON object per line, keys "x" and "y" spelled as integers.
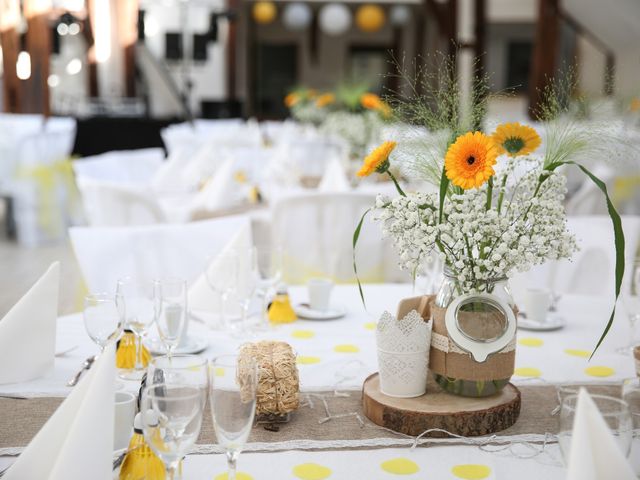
{"x": 341, "y": 353}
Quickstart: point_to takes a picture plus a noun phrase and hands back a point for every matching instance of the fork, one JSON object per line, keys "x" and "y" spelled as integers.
{"x": 85, "y": 366}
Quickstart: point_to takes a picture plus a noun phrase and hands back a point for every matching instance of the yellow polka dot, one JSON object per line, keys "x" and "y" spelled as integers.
{"x": 370, "y": 325}
{"x": 311, "y": 471}
{"x": 527, "y": 372}
{"x": 239, "y": 476}
{"x": 302, "y": 360}
{"x": 346, "y": 349}
{"x": 219, "y": 372}
{"x": 471, "y": 472}
{"x": 531, "y": 342}
{"x": 400, "y": 466}
{"x": 599, "y": 371}
{"x": 303, "y": 334}
{"x": 577, "y": 353}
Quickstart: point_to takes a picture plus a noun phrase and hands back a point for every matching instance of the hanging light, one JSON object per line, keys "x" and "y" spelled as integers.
{"x": 297, "y": 16}
{"x": 74, "y": 66}
{"x": 335, "y": 19}
{"x": 264, "y": 12}
{"x": 370, "y": 18}
{"x": 23, "y": 65}
{"x": 53, "y": 81}
{"x": 62, "y": 29}
{"x": 400, "y": 15}
{"x": 74, "y": 28}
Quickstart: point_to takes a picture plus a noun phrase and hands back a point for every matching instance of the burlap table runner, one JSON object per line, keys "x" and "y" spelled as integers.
{"x": 20, "y": 420}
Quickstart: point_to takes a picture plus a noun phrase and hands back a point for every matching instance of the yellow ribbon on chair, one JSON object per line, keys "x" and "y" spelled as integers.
{"x": 624, "y": 188}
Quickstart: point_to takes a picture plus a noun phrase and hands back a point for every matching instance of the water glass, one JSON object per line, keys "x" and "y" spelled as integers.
{"x": 170, "y": 299}
{"x": 631, "y": 305}
{"x": 233, "y": 384}
{"x": 140, "y": 314}
{"x": 191, "y": 370}
{"x": 631, "y": 395}
{"x": 221, "y": 273}
{"x": 268, "y": 268}
{"x": 171, "y": 421}
{"x": 104, "y": 318}
{"x": 615, "y": 413}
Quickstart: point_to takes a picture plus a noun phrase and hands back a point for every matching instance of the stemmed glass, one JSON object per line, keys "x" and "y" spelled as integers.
{"x": 221, "y": 273}
{"x": 232, "y": 396}
{"x": 615, "y": 413}
{"x": 247, "y": 283}
{"x": 170, "y": 299}
{"x": 631, "y": 304}
{"x": 104, "y": 318}
{"x": 268, "y": 268}
{"x": 171, "y": 421}
{"x": 139, "y": 299}
{"x": 631, "y": 395}
{"x": 191, "y": 370}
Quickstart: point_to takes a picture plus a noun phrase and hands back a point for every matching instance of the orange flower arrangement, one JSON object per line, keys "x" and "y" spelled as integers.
{"x": 378, "y": 160}
{"x": 470, "y": 159}
{"x": 325, "y": 99}
{"x": 291, "y": 100}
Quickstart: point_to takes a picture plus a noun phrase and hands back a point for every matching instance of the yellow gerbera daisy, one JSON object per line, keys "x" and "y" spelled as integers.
{"x": 634, "y": 106}
{"x": 325, "y": 99}
{"x": 378, "y": 160}
{"x": 291, "y": 99}
{"x": 515, "y": 139}
{"x": 371, "y": 101}
{"x": 470, "y": 159}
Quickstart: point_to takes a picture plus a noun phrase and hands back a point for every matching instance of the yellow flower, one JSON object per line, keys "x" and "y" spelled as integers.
{"x": 385, "y": 109}
{"x": 291, "y": 99}
{"x": 635, "y": 105}
{"x": 325, "y": 99}
{"x": 515, "y": 139}
{"x": 378, "y": 160}
{"x": 470, "y": 159}
{"x": 371, "y": 101}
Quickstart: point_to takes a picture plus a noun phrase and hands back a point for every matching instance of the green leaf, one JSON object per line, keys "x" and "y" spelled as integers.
{"x": 356, "y": 236}
{"x": 444, "y": 185}
{"x": 618, "y": 235}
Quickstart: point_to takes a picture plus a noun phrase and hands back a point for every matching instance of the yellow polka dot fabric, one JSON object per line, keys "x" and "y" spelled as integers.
{"x": 239, "y": 476}
{"x": 599, "y": 371}
{"x": 370, "y": 325}
{"x": 400, "y": 466}
{"x": 311, "y": 471}
{"x": 577, "y": 353}
{"x": 346, "y": 349}
{"x": 307, "y": 360}
{"x": 531, "y": 342}
{"x": 303, "y": 334}
{"x": 471, "y": 472}
{"x": 219, "y": 371}
{"x": 527, "y": 372}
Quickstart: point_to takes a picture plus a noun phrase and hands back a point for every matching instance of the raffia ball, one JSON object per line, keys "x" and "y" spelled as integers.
{"x": 278, "y": 383}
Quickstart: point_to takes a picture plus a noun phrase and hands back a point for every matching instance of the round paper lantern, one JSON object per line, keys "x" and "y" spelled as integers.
{"x": 370, "y": 18}
{"x": 399, "y": 15}
{"x": 335, "y": 19}
{"x": 297, "y": 16}
{"x": 264, "y": 12}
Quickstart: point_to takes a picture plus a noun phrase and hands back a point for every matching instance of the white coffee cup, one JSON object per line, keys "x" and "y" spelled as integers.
{"x": 536, "y": 304}
{"x": 319, "y": 293}
{"x": 125, "y": 411}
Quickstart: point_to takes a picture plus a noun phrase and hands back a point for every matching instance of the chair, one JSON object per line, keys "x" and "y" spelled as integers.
{"x": 124, "y": 167}
{"x": 591, "y": 270}
{"x": 105, "y": 254}
{"x": 316, "y": 231}
{"x": 112, "y": 204}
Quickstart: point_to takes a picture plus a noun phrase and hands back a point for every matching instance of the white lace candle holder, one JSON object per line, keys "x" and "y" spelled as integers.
{"x": 403, "y": 354}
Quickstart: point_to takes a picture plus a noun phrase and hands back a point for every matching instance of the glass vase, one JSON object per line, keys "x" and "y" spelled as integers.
{"x": 451, "y": 289}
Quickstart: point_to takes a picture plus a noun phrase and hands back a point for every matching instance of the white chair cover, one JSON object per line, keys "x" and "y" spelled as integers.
{"x": 108, "y": 253}
{"x": 126, "y": 166}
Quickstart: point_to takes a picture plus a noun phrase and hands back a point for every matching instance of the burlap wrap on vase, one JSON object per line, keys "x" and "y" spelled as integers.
{"x": 462, "y": 366}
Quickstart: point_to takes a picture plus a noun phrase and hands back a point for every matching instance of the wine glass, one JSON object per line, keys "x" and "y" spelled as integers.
{"x": 247, "y": 283}
{"x": 615, "y": 413}
{"x": 268, "y": 266}
{"x": 104, "y": 318}
{"x": 191, "y": 370}
{"x": 631, "y": 395}
{"x": 140, "y": 314}
{"x": 170, "y": 299}
{"x": 221, "y": 273}
{"x": 233, "y": 383}
{"x": 631, "y": 304}
{"x": 171, "y": 421}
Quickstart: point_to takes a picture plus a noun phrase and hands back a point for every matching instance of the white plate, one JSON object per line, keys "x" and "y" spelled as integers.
{"x": 304, "y": 311}
{"x": 554, "y": 322}
{"x": 194, "y": 345}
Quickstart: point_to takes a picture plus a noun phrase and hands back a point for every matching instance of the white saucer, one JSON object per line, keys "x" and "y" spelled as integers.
{"x": 193, "y": 345}
{"x": 554, "y": 322}
{"x": 304, "y": 311}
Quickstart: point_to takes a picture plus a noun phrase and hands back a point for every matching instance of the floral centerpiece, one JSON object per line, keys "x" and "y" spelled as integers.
{"x": 496, "y": 209}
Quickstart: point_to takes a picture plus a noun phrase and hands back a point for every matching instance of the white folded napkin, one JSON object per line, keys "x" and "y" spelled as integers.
{"x": 105, "y": 254}
{"x": 201, "y": 295}
{"x": 594, "y": 453}
{"x": 334, "y": 178}
{"x": 222, "y": 191}
{"x": 76, "y": 443}
{"x": 28, "y": 331}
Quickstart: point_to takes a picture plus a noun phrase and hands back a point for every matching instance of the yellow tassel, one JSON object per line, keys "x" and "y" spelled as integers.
{"x": 126, "y": 353}
{"x": 281, "y": 310}
{"x": 141, "y": 462}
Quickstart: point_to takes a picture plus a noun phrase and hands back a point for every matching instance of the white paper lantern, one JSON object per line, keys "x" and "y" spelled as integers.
{"x": 335, "y": 19}
{"x": 297, "y": 16}
{"x": 399, "y": 15}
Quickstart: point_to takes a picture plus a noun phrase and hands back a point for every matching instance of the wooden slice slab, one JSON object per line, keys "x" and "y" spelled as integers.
{"x": 436, "y": 409}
